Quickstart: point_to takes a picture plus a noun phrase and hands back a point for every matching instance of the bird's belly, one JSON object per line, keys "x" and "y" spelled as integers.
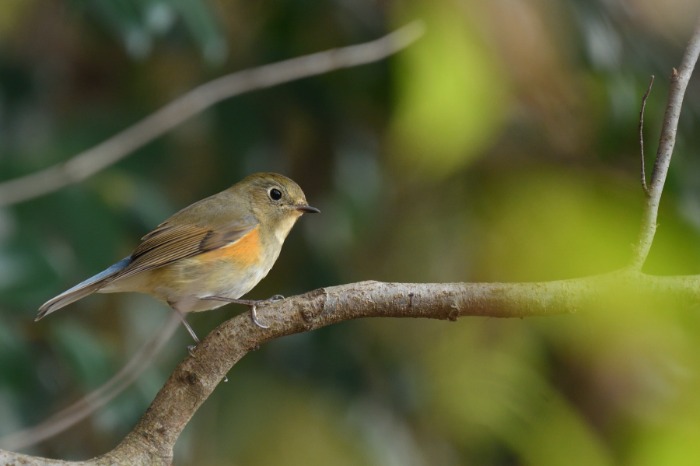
{"x": 187, "y": 283}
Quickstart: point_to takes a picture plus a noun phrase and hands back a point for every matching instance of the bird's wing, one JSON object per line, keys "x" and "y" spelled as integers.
{"x": 169, "y": 243}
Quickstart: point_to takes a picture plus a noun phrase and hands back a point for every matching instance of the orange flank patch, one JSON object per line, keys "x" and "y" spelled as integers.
{"x": 245, "y": 251}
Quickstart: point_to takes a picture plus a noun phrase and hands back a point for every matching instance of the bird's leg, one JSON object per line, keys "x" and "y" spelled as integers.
{"x": 251, "y": 303}
{"x": 190, "y": 348}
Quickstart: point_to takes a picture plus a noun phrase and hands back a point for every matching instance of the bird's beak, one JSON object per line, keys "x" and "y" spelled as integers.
{"x": 308, "y": 209}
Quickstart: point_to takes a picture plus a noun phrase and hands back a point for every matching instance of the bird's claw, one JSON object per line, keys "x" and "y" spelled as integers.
{"x": 253, "y": 309}
{"x": 254, "y": 315}
{"x": 252, "y": 304}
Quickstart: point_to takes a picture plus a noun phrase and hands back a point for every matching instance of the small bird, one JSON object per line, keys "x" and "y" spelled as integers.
{"x": 208, "y": 254}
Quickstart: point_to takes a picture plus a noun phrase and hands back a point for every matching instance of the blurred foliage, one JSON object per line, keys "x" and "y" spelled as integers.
{"x": 502, "y": 147}
{"x": 450, "y": 88}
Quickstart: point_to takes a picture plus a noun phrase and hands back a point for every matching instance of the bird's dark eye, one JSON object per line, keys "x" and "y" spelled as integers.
{"x": 275, "y": 194}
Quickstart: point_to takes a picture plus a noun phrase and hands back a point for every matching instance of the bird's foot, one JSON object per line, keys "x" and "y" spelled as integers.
{"x": 190, "y": 348}
{"x": 252, "y": 304}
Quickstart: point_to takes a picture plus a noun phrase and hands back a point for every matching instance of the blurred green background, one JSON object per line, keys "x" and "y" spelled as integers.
{"x": 502, "y": 146}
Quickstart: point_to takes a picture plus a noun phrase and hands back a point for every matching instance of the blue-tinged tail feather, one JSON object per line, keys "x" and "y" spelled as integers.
{"x": 82, "y": 289}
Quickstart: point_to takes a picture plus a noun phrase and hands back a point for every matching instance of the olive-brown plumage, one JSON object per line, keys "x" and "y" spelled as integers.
{"x": 219, "y": 247}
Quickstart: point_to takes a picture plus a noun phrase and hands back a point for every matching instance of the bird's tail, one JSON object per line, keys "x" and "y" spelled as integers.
{"x": 82, "y": 289}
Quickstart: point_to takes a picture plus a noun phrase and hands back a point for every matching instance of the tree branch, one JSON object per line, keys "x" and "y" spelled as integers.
{"x": 676, "y": 93}
{"x": 119, "y": 146}
{"x": 151, "y": 442}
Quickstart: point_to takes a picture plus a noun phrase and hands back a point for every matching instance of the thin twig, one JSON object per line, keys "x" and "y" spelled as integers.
{"x": 82, "y": 408}
{"x": 678, "y": 85}
{"x": 108, "y": 152}
{"x": 641, "y": 135}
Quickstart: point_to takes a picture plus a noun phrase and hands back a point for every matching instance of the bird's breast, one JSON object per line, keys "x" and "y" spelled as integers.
{"x": 246, "y": 251}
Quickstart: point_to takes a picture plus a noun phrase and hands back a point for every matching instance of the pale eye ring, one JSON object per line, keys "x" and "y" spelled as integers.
{"x": 275, "y": 194}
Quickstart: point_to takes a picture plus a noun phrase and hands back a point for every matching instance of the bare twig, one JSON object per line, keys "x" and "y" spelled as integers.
{"x": 679, "y": 83}
{"x": 641, "y": 135}
{"x": 79, "y": 410}
{"x": 108, "y": 152}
